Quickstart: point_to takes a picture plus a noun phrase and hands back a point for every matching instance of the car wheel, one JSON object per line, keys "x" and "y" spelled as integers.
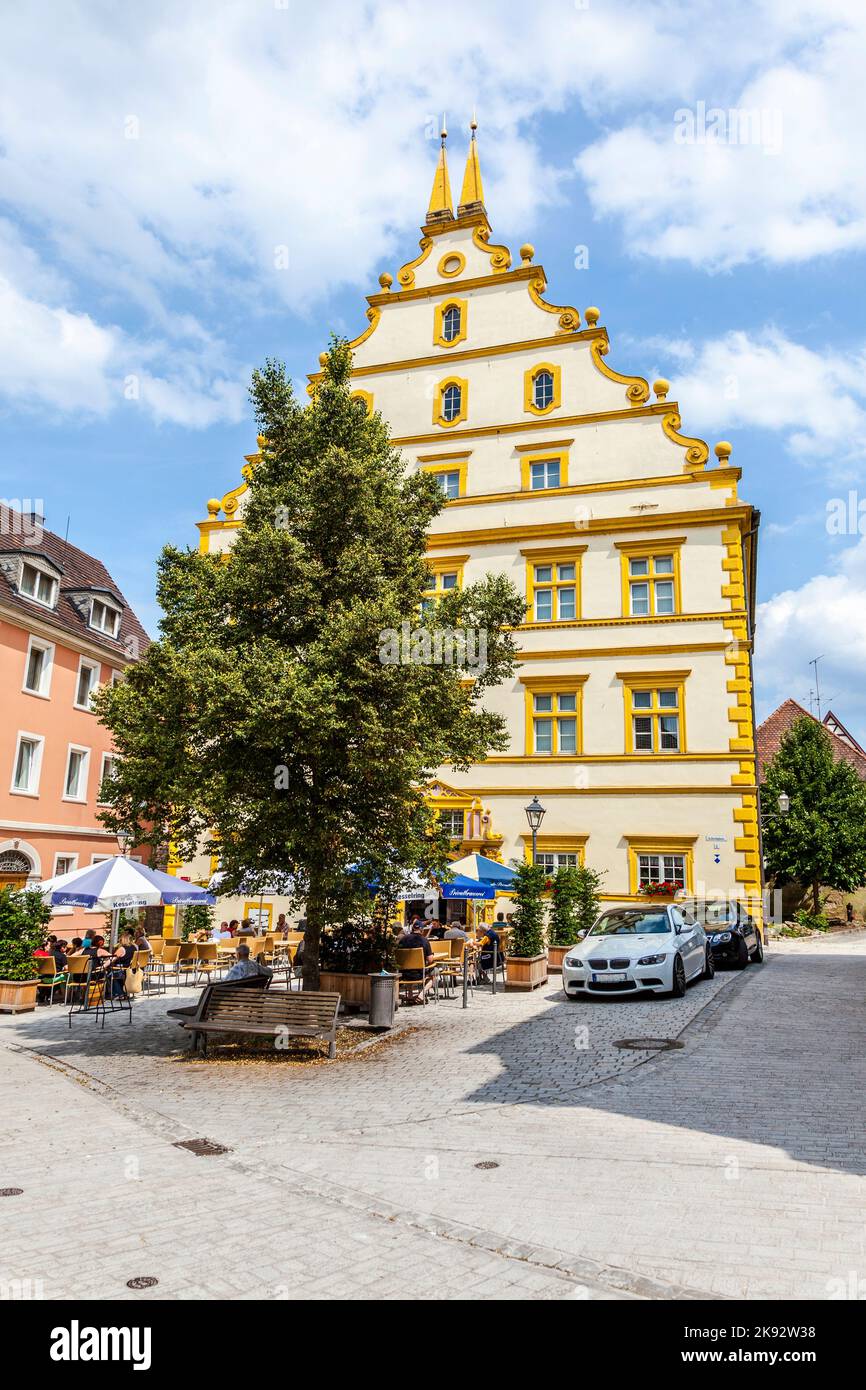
{"x": 758, "y": 953}
{"x": 679, "y": 985}
{"x": 742, "y": 955}
{"x": 709, "y": 970}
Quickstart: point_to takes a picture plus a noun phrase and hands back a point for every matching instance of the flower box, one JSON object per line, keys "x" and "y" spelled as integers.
{"x": 354, "y": 990}
{"x": 525, "y": 972}
{"x": 18, "y": 996}
{"x": 555, "y": 957}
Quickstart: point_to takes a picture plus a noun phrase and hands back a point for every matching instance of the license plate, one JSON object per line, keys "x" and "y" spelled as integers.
{"x": 610, "y": 977}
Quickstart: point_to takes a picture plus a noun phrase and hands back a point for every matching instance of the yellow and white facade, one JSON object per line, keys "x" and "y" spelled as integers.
{"x": 631, "y": 714}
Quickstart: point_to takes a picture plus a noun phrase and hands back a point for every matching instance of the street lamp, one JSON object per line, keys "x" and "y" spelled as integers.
{"x": 535, "y": 814}
{"x": 784, "y": 803}
{"x": 124, "y": 842}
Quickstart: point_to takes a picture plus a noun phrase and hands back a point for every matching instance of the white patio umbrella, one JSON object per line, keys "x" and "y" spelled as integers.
{"x": 118, "y": 883}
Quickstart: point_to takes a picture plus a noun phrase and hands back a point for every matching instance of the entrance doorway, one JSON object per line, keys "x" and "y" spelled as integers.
{"x": 15, "y": 869}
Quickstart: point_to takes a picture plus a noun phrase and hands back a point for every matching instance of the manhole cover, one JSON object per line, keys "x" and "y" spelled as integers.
{"x": 11, "y": 1191}
{"x": 488, "y": 1163}
{"x": 144, "y": 1281}
{"x": 649, "y": 1044}
{"x": 203, "y": 1147}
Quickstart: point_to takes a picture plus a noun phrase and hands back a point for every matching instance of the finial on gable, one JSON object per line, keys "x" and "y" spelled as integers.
{"x": 440, "y": 209}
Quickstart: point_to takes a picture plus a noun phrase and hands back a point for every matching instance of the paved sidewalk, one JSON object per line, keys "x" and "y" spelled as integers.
{"x": 734, "y": 1166}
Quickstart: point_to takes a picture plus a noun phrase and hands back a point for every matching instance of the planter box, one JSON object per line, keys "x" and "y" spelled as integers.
{"x": 18, "y": 996}
{"x": 556, "y": 955}
{"x": 525, "y": 972}
{"x": 354, "y": 990}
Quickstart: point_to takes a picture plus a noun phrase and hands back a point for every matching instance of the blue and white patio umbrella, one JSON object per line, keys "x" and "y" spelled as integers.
{"x": 120, "y": 883}
{"x": 485, "y": 870}
{"x": 467, "y": 889}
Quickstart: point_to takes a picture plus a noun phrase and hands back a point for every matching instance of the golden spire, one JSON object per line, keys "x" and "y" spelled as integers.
{"x": 440, "y": 199}
{"x": 472, "y": 193}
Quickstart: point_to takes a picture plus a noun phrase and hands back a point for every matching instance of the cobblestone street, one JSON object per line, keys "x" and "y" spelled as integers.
{"x": 733, "y": 1166}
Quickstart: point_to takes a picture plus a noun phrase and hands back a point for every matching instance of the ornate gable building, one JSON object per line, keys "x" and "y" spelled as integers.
{"x": 631, "y": 717}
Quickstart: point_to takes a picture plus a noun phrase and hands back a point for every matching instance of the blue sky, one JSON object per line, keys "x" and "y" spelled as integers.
{"x": 157, "y": 161}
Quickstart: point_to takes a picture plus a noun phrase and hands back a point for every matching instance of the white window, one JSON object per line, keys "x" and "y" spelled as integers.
{"x": 452, "y": 398}
{"x": 37, "y": 667}
{"x": 27, "y": 764}
{"x": 88, "y": 679}
{"x": 553, "y": 861}
{"x": 544, "y": 474}
{"x": 662, "y": 868}
{"x": 450, "y": 483}
{"x": 104, "y": 617}
{"x": 542, "y": 387}
{"x": 64, "y": 864}
{"x": 77, "y": 762}
{"x": 37, "y": 584}
{"x": 555, "y": 723}
{"x": 452, "y": 823}
{"x": 451, "y": 323}
{"x": 109, "y": 762}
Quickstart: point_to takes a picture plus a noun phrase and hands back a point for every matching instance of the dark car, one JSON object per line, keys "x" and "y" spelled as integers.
{"x": 733, "y": 937}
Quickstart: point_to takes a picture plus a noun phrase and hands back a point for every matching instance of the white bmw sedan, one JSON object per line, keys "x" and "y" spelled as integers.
{"x": 629, "y": 949}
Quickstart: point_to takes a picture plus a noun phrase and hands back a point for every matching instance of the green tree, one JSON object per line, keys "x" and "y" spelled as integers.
{"x": 527, "y": 929}
{"x": 574, "y": 904}
{"x": 280, "y": 712}
{"x": 822, "y": 839}
{"x": 24, "y": 916}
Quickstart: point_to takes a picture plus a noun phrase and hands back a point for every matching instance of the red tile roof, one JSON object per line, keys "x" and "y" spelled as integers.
{"x": 777, "y": 724}
{"x": 79, "y": 573}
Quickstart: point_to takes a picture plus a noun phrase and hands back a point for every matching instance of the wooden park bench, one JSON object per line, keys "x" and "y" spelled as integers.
{"x": 247, "y": 982}
{"x": 269, "y": 1013}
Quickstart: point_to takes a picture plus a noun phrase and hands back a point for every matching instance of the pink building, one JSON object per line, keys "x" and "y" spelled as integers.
{"x": 65, "y": 628}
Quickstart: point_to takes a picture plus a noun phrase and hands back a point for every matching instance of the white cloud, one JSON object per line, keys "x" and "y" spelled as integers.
{"x": 798, "y": 194}
{"x": 824, "y": 617}
{"x": 814, "y": 396}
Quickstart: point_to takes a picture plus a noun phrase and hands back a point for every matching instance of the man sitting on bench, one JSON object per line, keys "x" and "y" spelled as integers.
{"x": 244, "y": 966}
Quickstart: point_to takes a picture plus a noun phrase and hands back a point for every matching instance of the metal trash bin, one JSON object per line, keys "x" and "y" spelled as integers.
{"x": 382, "y": 1000}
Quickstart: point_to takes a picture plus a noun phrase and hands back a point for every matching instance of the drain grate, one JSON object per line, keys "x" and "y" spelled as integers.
{"x": 144, "y": 1281}
{"x": 204, "y": 1148}
{"x": 488, "y": 1163}
{"x": 11, "y": 1191}
{"x": 649, "y": 1044}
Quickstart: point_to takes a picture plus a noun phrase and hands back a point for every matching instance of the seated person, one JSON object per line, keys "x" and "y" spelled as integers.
{"x": 414, "y": 939}
{"x": 454, "y": 932}
{"x": 118, "y": 964}
{"x": 437, "y": 930}
{"x": 246, "y": 928}
{"x": 244, "y": 966}
{"x": 141, "y": 942}
{"x": 94, "y": 946}
{"x": 75, "y": 946}
{"x": 282, "y": 926}
{"x": 488, "y": 938}
{"x": 221, "y": 933}
{"x": 233, "y": 926}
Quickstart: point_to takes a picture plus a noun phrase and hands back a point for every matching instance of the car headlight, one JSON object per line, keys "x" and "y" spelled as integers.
{"x": 651, "y": 960}
{"x": 574, "y": 962}
{"x": 721, "y": 936}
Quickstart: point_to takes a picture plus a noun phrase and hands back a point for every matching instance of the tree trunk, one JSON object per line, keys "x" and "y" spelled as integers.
{"x": 816, "y": 900}
{"x": 313, "y": 934}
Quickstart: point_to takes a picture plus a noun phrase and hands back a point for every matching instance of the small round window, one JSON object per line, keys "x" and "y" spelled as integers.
{"x": 452, "y": 263}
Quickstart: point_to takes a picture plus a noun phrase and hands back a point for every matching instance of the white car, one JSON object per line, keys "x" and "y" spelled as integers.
{"x": 628, "y": 949}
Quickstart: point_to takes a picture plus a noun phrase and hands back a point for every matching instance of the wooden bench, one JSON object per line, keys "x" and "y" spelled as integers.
{"x": 254, "y": 982}
{"x": 307, "y": 1014}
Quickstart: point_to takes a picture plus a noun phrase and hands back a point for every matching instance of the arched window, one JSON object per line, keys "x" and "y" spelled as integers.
{"x": 451, "y": 323}
{"x": 542, "y": 390}
{"x": 452, "y": 398}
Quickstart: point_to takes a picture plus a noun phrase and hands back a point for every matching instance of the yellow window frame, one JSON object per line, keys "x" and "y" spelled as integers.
{"x": 366, "y": 397}
{"x": 557, "y": 844}
{"x": 529, "y": 388}
{"x": 555, "y": 686}
{"x": 649, "y": 551}
{"x": 654, "y": 681}
{"x": 255, "y": 905}
{"x": 571, "y": 555}
{"x": 459, "y": 466}
{"x": 661, "y": 845}
{"x": 441, "y": 565}
{"x": 559, "y": 456}
{"x": 438, "y": 402}
{"x": 439, "y": 339}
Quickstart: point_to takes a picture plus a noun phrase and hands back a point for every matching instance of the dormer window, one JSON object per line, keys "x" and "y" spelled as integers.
{"x": 451, "y": 323}
{"x": 37, "y": 584}
{"x": 104, "y": 617}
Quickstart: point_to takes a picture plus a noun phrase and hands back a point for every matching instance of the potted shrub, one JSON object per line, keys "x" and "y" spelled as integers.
{"x": 526, "y": 963}
{"x": 349, "y": 954}
{"x": 24, "y": 916}
{"x": 574, "y": 907}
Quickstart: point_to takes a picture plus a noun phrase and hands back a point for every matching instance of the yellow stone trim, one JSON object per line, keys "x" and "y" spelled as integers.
{"x": 500, "y": 256}
{"x": 653, "y": 681}
{"x": 474, "y": 282}
{"x": 374, "y": 315}
{"x": 495, "y": 350}
{"x": 406, "y": 273}
{"x": 563, "y": 555}
{"x": 529, "y": 388}
{"x": 569, "y": 318}
{"x": 574, "y": 489}
{"x": 366, "y": 397}
{"x": 632, "y": 758}
{"x": 661, "y": 845}
{"x": 622, "y": 790}
{"x": 586, "y": 653}
{"x": 556, "y": 844}
{"x": 439, "y": 318}
{"x": 543, "y": 455}
{"x": 597, "y": 417}
{"x": 444, "y": 458}
{"x": 648, "y": 550}
{"x": 457, "y": 269}
{"x": 697, "y": 451}
{"x": 438, "y": 418}
{"x": 594, "y": 526}
{"x": 638, "y": 389}
{"x": 459, "y": 465}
